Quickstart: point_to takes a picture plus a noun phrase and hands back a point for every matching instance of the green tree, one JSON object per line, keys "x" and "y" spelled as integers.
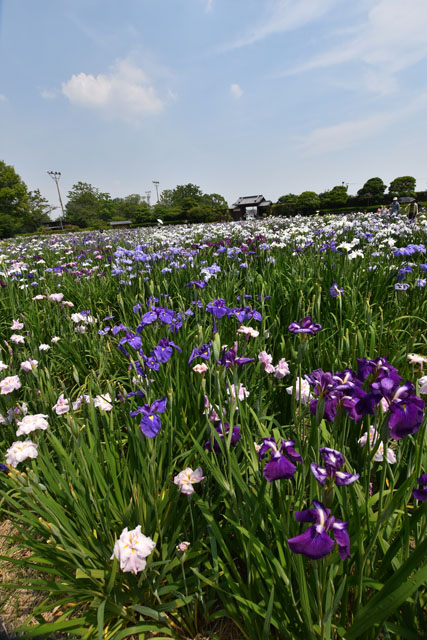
{"x": 216, "y": 207}
{"x": 336, "y": 197}
{"x": 308, "y": 202}
{"x": 39, "y": 209}
{"x": 188, "y": 202}
{"x": 14, "y": 206}
{"x": 132, "y": 207}
{"x": 86, "y": 206}
{"x": 373, "y": 188}
{"x": 403, "y": 186}
{"x": 286, "y": 205}
{"x": 184, "y": 193}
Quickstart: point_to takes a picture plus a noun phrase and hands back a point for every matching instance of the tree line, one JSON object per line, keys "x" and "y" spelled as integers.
{"x": 372, "y": 194}
{"x": 25, "y": 211}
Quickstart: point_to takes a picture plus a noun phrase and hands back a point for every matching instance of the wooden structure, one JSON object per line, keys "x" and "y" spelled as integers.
{"x": 249, "y": 207}
{"x": 120, "y": 224}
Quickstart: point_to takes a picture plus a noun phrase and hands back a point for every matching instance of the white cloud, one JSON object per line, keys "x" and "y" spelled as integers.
{"x": 124, "y": 93}
{"x": 284, "y": 15}
{"x": 2, "y": 98}
{"x": 236, "y": 90}
{"x": 345, "y": 134}
{"x": 209, "y": 5}
{"x": 391, "y": 38}
{"x": 49, "y": 94}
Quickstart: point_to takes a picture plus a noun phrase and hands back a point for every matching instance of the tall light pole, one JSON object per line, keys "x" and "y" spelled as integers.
{"x": 55, "y": 175}
{"x": 148, "y": 194}
{"x": 156, "y": 184}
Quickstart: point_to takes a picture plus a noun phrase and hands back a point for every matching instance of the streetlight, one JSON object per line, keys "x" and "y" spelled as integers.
{"x": 55, "y": 175}
{"x": 156, "y": 184}
{"x": 148, "y": 194}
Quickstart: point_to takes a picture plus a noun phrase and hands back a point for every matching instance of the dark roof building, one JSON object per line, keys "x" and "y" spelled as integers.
{"x": 248, "y": 207}
{"x": 120, "y": 224}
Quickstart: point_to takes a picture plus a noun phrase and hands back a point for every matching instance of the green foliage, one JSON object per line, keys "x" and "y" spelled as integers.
{"x": 335, "y": 198}
{"x": 85, "y": 204}
{"x": 39, "y": 209}
{"x": 286, "y": 205}
{"x": 308, "y": 202}
{"x": 96, "y": 473}
{"x": 189, "y": 203}
{"x": 403, "y": 186}
{"x": 14, "y": 205}
{"x": 373, "y": 189}
{"x": 132, "y": 207}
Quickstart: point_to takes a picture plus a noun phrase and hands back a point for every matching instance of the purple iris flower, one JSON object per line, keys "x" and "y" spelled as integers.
{"x": 315, "y": 542}
{"x": 333, "y": 461}
{"x": 335, "y": 291}
{"x": 343, "y": 390}
{"x": 378, "y": 368}
{"x": 163, "y": 351}
{"x": 151, "y": 363}
{"x": 282, "y": 458}
{"x": 176, "y": 323}
{"x": 230, "y": 358}
{"x": 134, "y": 341}
{"x": 421, "y": 492}
{"x": 243, "y": 314}
{"x": 200, "y": 284}
{"x": 218, "y": 308}
{"x": 150, "y": 423}
{"x": 119, "y": 327}
{"x": 139, "y": 393}
{"x": 165, "y": 315}
{"x": 203, "y": 352}
{"x": 223, "y": 430}
{"x": 406, "y": 410}
{"x": 305, "y": 326}
{"x": 3, "y": 468}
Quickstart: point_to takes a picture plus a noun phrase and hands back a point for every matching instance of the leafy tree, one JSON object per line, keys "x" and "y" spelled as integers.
{"x": 86, "y": 205}
{"x": 336, "y": 197}
{"x": 166, "y": 198}
{"x": 8, "y": 226}
{"x": 197, "y": 213}
{"x": 14, "y": 206}
{"x": 188, "y": 202}
{"x": 132, "y": 207}
{"x": 184, "y": 193}
{"x": 216, "y": 207}
{"x": 373, "y": 188}
{"x": 286, "y": 205}
{"x": 308, "y": 202}
{"x": 39, "y": 209}
{"x": 403, "y": 186}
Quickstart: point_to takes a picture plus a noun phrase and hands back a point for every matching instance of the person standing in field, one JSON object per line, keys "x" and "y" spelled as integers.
{"x": 412, "y": 211}
{"x": 395, "y": 207}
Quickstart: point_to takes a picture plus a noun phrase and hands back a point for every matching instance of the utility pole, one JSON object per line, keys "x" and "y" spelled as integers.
{"x": 156, "y": 184}
{"x": 148, "y": 194}
{"x": 55, "y": 175}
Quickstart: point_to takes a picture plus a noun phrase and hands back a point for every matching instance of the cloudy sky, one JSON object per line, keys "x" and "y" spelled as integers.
{"x": 240, "y": 97}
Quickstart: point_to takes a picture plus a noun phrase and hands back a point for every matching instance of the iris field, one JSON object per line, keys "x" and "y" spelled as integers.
{"x": 219, "y": 427}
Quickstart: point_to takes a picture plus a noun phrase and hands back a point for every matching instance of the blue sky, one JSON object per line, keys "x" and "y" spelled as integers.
{"x": 240, "y": 97}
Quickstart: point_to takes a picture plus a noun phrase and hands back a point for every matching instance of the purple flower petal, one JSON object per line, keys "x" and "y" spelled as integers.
{"x": 150, "y": 425}
{"x": 319, "y": 473}
{"x": 342, "y": 538}
{"x": 312, "y": 544}
{"x": 405, "y": 418}
{"x": 343, "y": 478}
{"x": 279, "y": 468}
